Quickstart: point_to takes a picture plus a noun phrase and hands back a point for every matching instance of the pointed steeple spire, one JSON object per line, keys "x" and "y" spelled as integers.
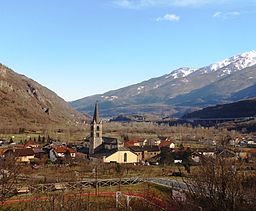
{"x": 96, "y": 116}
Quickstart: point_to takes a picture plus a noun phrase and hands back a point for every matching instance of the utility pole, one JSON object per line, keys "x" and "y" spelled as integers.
{"x": 95, "y": 171}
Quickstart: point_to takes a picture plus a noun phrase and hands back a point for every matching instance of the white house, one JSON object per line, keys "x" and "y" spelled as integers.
{"x": 61, "y": 152}
{"x": 167, "y": 143}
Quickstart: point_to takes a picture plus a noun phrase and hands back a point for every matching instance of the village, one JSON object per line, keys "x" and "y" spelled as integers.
{"x": 103, "y": 168}
{"x": 138, "y": 151}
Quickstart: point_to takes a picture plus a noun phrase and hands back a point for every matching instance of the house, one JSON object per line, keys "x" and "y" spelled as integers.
{"x": 167, "y": 143}
{"x": 21, "y": 155}
{"x": 31, "y": 144}
{"x": 145, "y": 153}
{"x": 3, "y": 152}
{"x": 135, "y": 142}
{"x": 40, "y": 154}
{"x": 209, "y": 152}
{"x": 61, "y": 152}
{"x": 151, "y": 142}
{"x": 120, "y": 155}
{"x": 24, "y": 155}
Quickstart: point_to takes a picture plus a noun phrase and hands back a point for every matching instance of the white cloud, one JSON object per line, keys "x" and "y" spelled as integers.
{"x": 169, "y": 17}
{"x": 137, "y": 4}
{"x": 226, "y": 15}
{"x": 217, "y": 14}
{"x": 124, "y": 3}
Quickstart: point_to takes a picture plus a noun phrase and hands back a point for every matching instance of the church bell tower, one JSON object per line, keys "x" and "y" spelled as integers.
{"x": 96, "y": 131}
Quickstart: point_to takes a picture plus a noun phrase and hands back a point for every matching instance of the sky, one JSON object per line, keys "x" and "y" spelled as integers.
{"x": 79, "y": 48}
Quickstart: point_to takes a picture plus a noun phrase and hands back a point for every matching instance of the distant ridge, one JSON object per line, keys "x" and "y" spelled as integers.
{"x": 240, "y": 109}
{"x": 181, "y": 90}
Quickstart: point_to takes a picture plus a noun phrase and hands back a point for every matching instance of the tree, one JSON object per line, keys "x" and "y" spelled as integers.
{"x": 219, "y": 185}
{"x": 8, "y": 177}
{"x": 39, "y": 139}
{"x": 43, "y": 140}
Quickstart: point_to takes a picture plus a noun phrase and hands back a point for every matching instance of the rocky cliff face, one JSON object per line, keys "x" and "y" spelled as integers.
{"x": 26, "y": 104}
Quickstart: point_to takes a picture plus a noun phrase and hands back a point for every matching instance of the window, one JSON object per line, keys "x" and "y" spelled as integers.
{"x": 125, "y": 157}
{"x": 97, "y": 135}
{"x": 98, "y": 128}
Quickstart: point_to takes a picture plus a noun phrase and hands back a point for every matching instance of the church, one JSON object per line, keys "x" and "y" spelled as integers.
{"x": 107, "y": 149}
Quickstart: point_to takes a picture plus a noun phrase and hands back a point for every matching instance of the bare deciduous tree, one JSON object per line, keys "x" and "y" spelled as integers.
{"x": 219, "y": 185}
{"x": 8, "y": 177}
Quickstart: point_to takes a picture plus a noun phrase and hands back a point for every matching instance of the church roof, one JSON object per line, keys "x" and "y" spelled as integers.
{"x": 109, "y": 140}
{"x": 96, "y": 116}
{"x": 144, "y": 148}
{"x": 106, "y": 152}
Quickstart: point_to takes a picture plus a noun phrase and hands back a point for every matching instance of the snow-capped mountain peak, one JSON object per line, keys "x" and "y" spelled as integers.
{"x": 220, "y": 64}
{"x": 218, "y": 83}
{"x": 232, "y": 64}
{"x": 181, "y": 73}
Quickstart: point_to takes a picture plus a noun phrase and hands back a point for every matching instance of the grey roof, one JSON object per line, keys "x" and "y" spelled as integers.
{"x": 123, "y": 149}
{"x": 105, "y": 152}
{"x": 144, "y": 148}
{"x": 84, "y": 150}
{"x": 109, "y": 140}
{"x": 38, "y": 151}
{"x": 96, "y": 116}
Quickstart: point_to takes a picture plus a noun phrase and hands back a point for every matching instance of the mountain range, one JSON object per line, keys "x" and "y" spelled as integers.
{"x": 25, "y": 103}
{"x": 183, "y": 90}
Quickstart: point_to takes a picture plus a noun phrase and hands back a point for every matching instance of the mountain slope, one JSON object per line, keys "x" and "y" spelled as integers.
{"x": 239, "y": 85}
{"x": 172, "y": 93}
{"x": 245, "y": 93}
{"x": 26, "y": 104}
{"x": 245, "y": 108}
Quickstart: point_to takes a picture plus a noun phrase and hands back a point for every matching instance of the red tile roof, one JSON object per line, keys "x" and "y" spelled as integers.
{"x": 30, "y": 143}
{"x": 132, "y": 142}
{"x": 3, "y": 150}
{"x": 165, "y": 143}
{"x": 64, "y": 149}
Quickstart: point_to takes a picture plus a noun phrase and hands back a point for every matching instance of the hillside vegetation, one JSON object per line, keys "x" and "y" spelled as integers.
{"x": 244, "y": 108}
{"x": 26, "y": 104}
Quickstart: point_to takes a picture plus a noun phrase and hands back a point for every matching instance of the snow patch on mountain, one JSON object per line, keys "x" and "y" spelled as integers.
{"x": 180, "y": 73}
{"x": 110, "y": 98}
{"x": 140, "y": 88}
{"x": 156, "y": 86}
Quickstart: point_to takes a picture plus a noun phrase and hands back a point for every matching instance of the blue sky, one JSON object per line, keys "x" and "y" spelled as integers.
{"x": 83, "y": 47}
